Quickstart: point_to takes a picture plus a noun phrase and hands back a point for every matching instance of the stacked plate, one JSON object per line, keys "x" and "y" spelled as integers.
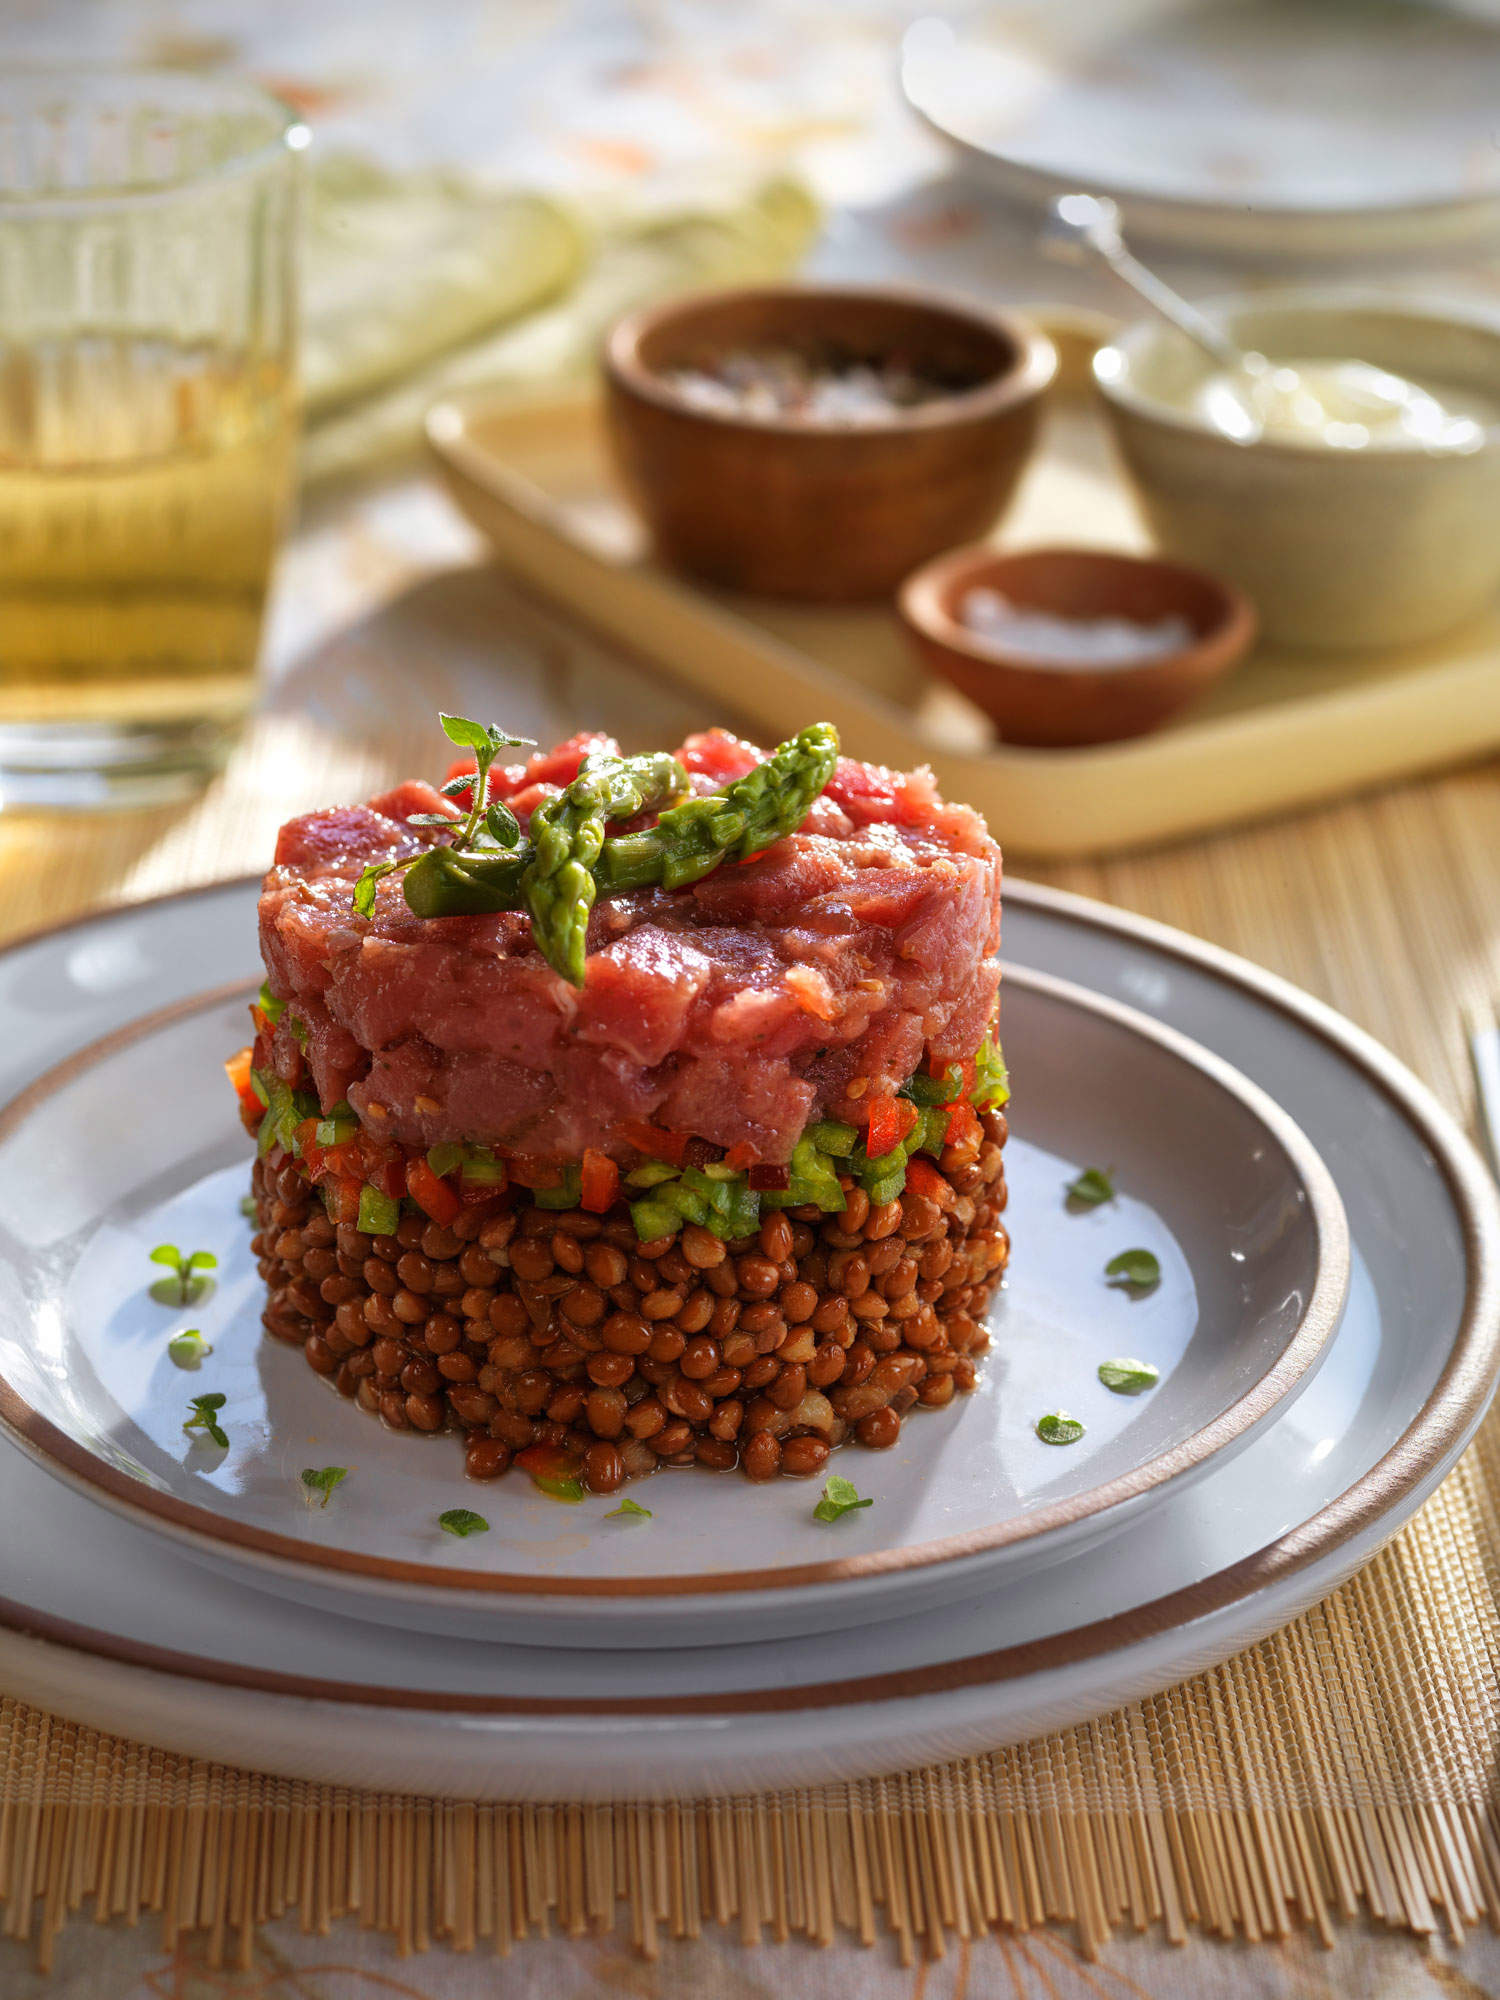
{"x": 1325, "y": 1332}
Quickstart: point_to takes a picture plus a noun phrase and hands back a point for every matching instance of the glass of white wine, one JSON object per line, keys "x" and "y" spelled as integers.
{"x": 147, "y": 422}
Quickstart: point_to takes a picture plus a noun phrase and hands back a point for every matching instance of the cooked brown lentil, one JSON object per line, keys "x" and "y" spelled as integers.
{"x": 521, "y": 1325}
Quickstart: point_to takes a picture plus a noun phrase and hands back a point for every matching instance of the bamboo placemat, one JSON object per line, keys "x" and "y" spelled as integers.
{"x": 1346, "y": 1764}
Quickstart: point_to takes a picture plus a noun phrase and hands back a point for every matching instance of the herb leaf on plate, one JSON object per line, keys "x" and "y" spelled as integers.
{"x": 462, "y": 1521}
{"x": 1134, "y": 1270}
{"x": 1128, "y": 1377}
{"x": 188, "y": 1348}
{"x": 322, "y": 1479}
{"x": 1057, "y": 1427}
{"x": 190, "y": 1285}
{"x": 1093, "y": 1187}
{"x": 630, "y": 1510}
{"x": 840, "y": 1497}
{"x": 205, "y": 1417}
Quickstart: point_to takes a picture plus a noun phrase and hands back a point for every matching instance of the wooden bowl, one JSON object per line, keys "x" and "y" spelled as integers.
{"x": 1067, "y": 703}
{"x": 790, "y": 508}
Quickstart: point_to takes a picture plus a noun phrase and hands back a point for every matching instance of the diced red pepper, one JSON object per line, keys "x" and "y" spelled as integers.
{"x": 262, "y": 1020}
{"x": 964, "y": 1128}
{"x": 308, "y": 1147}
{"x": 923, "y": 1178}
{"x": 237, "y": 1069}
{"x": 389, "y": 1176}
{"x": 654, "y": 1142}
{"x": 346, "y": 1200}
{"x": 741, "y": 1156}
{"x": 554, "y": 1469}
{"x": 768, "y": 1179}
{"x": 891, "y": 1119}
{"x": 431, "y": 1194}
{"x": 600, "y": 1181}
{"x": 942, "y": 1067}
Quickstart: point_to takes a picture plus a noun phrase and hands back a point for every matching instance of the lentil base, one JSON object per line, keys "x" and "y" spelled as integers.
{"x": 523, "y": 1326}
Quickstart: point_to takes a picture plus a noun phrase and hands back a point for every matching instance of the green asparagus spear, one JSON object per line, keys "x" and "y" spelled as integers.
{"x": 567, "y": 862}
{"x": 754, "y": 812}
{"x": 448, "y": 881}
{"x": 567, "y": 834}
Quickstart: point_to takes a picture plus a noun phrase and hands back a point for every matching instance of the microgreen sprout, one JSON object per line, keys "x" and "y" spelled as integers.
{"x": 1057, "y": 1427}
{"x": 322, "y": 1480}
{"x": 205, "y": 1417}
{"x": 188, "y": 1348}
{"x": 1134, "y": 1271}
{"x": 1094, "y": 1186}
{"x": 1128, "y": 1377}
{"x": 840, "y": 1497}
{"x": 188, "y": 1286}
{"x": 487, "y": 822}
{"x": 462, "y": 1521}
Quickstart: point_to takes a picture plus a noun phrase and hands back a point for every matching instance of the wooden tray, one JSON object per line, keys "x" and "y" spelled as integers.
{"x": 1285, "y": 730}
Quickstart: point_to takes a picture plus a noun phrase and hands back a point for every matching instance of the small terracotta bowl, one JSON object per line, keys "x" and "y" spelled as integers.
{"x": 1054, "y": 706}
{"x": 789, "y": 508}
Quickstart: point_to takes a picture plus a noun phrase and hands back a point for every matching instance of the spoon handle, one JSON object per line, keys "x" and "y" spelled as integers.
{"x": 1091, "y": 223}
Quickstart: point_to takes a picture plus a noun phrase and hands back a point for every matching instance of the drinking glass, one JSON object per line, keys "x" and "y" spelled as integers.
{"x": 147, "y": 422}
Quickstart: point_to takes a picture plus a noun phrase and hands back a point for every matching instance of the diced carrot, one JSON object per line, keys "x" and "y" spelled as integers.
{"x": 600, "y": 1181}
{"x": 432, "y": 1195}
{"x": 741, "y": 1156}
{"x": 654, "y": 1142}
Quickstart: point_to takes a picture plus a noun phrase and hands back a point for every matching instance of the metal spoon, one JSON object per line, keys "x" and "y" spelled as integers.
{"x": 1084, "y": 225}
{"x": 1080, "y": 226}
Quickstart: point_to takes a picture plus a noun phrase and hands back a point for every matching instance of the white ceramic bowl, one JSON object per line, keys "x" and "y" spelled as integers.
{"x": 1382, "y": 546}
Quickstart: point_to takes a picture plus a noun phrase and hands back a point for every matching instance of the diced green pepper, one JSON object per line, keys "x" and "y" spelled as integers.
{"x": 269, "y": 1005}
{"x": 829, "y": 1136}
{"x": 299, "y": 1030}
{"x": 654, "y": 1219}
{"x": 889, "y": 1189}
{"x": 650, "y": 1175}
{"x": 991, "y": 1078}
{"x": 339, "y": 1125}
{"x": 929, "y": 1090}
{"x": 379, "y": 1215}
{"x": 481, "y": 1166}
{"x": 444, "y": 1158}
{"x": 566, "y": 1196}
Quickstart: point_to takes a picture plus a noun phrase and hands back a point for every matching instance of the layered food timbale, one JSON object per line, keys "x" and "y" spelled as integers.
{"x": 627, "y": 1112}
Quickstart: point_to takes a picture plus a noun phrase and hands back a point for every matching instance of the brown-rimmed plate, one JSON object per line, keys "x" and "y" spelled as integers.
{"x": 133, "y": 1140}
{"x": 106, "y": 1622}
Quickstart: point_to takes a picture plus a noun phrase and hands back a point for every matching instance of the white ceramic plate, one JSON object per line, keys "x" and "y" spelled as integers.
{"x": 104, "y": 1621}
{"x": 1275, "y": 127}
{"x": 135, "y": 1141}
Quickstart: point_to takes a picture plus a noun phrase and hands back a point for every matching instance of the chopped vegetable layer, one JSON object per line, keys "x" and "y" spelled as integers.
{"x": 367, "y": 1181}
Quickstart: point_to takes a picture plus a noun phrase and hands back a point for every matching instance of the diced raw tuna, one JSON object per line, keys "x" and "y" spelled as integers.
{"x": 797, "y": 985}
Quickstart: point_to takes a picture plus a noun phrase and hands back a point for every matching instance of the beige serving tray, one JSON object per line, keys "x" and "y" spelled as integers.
{"x": 1284, "y": 731}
